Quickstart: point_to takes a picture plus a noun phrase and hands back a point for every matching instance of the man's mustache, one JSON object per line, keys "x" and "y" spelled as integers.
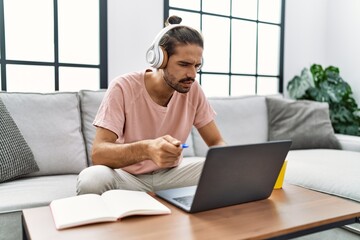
{"x": 187, "y": 79}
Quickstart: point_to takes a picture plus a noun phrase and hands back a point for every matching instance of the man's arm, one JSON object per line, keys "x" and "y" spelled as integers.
{"x": 211, "y": 134}
{"x": 164, "y": 151}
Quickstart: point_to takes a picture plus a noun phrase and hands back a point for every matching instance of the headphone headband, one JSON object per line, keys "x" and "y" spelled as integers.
{"x": 155, "y": 55}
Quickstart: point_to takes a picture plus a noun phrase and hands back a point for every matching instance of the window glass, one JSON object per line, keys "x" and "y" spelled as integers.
{"x": 213, "y": 6}
{"x": 30, "y": 78}
{"x": 188, "y": 18}
{"x": 216, "y": 43}
{"x": 243, "y": 47}
{"x": 215, "y": 85}
{"x": 79, "y": 36}
{"x": 243, "y": 85}
{"x": 29, "y": 30}
{"x": 187, "y": 4}
{"x": 244, "y": 9}
{"x": 269, "y": 49}
{"x": 75, "y": 79}
{"x": 270, "y": 11}
{"x": 267, "y": 85}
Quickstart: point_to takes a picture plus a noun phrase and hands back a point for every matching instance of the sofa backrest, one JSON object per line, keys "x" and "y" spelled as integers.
{"x": 89, "y": 102}
{"x": 241, "y": 120}
{"x": 51, "y": 125}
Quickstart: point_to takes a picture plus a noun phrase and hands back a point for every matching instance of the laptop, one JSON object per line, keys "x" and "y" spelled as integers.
{"x": 232, "y": 175}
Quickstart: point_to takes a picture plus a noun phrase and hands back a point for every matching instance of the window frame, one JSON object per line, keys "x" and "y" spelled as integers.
{"x": 103, "y": 61}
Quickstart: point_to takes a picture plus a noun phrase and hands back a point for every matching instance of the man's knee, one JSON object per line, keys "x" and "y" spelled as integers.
{"x": 186, "y": 174}
{"x": 95, "y": 179}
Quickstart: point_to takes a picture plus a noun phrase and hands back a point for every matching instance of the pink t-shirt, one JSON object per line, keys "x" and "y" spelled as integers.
{"x": 128, "y": 110}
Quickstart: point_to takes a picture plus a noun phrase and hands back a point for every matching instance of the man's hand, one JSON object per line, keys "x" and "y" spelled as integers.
{"x": 165, "y": 151}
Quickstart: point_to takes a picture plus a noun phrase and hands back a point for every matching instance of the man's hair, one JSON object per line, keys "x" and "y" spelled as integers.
{"x": 182, "y": 35}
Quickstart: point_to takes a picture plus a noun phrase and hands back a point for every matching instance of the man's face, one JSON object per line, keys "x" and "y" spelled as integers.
{"x": 182, "y": 66}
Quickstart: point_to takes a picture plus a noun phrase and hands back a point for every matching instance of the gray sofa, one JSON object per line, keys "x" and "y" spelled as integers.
{"x": 57, "y": 127}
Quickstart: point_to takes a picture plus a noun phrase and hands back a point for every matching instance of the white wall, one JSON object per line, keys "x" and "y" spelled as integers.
{"x": 304, "y": 36}
{"x": 132, "y": 26}
{"x": 324, "y": 32}
{"x": 343, "y": 34}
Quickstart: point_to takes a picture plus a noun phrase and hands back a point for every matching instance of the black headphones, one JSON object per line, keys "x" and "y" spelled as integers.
{"x": 156, "y": 56}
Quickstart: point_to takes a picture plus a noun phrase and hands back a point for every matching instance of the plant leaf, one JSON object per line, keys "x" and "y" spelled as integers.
{"x": 341, "y": 114}
{"x": 298, "y": 86}
{"x": 318, "y": 94}
{"x": 349, "y": 129}
{"x": 331, "y": 92}
{"x": 332, "y": 69}
{"x": 318, "y": 74}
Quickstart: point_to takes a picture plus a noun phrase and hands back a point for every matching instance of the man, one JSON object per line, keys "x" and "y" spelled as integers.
{"x": 146, "y": 116}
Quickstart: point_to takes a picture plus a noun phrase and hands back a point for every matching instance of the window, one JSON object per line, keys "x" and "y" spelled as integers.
{"x": 46, "y": 46}
{"x": 243, "y": 48}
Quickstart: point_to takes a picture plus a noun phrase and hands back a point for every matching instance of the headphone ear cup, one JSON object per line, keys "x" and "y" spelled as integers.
{"x": 156, "y": 56}
{"x": 151, "y": 56}
{"x": 163, "y": 58}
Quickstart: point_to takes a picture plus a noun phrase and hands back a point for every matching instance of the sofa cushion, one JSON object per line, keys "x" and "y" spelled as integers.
{"x": 241, "y": 120}
{"x": 306, "y": 123}
{"x": 51, "y": 125}
{"x": 35, "y": 191}
{"x": 327, "y": 170}
{"x": 16, "y": 157}
{"x": 189, "y": 152}
{"x": 90, "y": 102}
{"x": 348, "y": 142}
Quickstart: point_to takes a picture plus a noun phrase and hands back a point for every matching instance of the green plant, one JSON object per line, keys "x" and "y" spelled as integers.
{"x": 326, "y": 85}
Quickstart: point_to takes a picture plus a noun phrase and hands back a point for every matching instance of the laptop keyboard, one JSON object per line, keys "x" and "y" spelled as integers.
{"x": 186, "y": 200}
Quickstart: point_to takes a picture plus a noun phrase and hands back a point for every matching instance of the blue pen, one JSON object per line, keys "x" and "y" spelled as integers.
{"x": 184, "y": 145}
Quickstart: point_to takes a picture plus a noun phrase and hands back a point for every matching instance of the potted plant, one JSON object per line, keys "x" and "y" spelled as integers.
{"x": 326, "y": 85}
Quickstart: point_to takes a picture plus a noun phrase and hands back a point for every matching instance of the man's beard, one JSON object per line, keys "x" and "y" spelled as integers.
{"x": 176, "y": 85}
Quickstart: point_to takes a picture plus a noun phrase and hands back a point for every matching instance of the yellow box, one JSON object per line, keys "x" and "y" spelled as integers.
{"x": 280, "y": 179}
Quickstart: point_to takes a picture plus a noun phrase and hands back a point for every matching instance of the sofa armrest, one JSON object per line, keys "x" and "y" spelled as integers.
{"x": 349, "y": 142}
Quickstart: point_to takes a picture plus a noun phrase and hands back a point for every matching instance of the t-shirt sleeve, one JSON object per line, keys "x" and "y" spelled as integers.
{"x": 111, "y": 113}
{"x": 204, "y": 111}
